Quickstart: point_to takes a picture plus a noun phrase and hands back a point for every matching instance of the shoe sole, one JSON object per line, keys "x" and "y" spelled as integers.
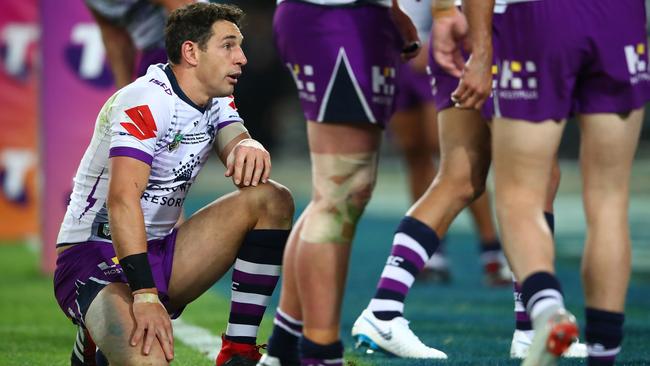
{"x": 562, "y": 333}
{"x": 365, "y": 344}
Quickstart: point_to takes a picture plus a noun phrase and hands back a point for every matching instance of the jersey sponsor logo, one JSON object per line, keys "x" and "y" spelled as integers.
{"x": 86, "y": 55}
{"x": 18, "y": 48}
{"x": 143, "y": 126}
{"x": 518, "y": 80}
{"x": 162, "y": 85}
{"x": 637, "y": 63}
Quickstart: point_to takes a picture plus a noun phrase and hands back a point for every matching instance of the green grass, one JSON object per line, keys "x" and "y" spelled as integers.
{"x": 469, "y": 321}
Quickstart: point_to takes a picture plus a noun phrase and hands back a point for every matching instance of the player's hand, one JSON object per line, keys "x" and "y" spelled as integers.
{"x": 152, "y": 322}
{"x": 449, "y": 32}
{"x": 408, "y": 32}
{"x": 475, "y": 83}
{"x": 249, "y": 164}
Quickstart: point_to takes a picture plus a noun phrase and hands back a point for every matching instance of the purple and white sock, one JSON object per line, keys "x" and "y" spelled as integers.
{"x": 283, "y": 342}
{"x": 414, "y": 243}
{"x": 254, "y": 277}
{"x": 541, "y": 291}
{"x": 313, "y": 354}
{"x": 604, "y": 334}
{"x": 522, "y": 320}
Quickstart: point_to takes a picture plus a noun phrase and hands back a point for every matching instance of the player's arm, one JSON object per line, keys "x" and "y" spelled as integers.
{"x": 120, "y": 50}
{"x": 407, "y": 30}
{"x": 448, "y": 31}
{"x": 476, "y": 83}
{"x": 127, "y": 182}
{"x": 246, "y": 160}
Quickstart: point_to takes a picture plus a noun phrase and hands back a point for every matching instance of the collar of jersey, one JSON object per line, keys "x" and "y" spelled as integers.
{"x": 177, "y": 89}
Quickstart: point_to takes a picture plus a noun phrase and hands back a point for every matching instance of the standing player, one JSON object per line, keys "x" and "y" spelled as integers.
{"x": 343, "y": 56}
{"x": 122, "y": 268}
{"x": 130, "y": 27}
{"x": 577, "y": 67}
{"x": 414, "y": 125}
{"x": 465, "y": 146}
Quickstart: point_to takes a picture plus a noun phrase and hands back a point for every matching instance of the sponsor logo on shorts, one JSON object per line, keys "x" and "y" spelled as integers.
{"x": 110, "y": 268}
{"x": 383, "y": 84}
{"x": 517, "y": 80}
{"x": 303, "y": 77}
{"x": 637, "y": 63}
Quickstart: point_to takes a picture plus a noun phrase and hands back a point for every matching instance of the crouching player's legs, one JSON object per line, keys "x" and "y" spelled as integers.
{"x": 248, "y": 227}
{"x": 607, "y": 150}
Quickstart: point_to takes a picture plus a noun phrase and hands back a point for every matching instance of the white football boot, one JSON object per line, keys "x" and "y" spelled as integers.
{"x": 393, "y": 337}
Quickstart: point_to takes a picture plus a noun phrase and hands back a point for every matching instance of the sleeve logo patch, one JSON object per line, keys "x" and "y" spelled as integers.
{"x": 143, "y": 126}
{"x": 232, "y": 102}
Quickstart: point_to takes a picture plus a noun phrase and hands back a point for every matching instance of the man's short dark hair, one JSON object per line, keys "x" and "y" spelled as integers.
{"x": 194, "y": 23}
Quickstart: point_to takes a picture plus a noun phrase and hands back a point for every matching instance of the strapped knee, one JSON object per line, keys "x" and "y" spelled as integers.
{"x": 343, "y": 185}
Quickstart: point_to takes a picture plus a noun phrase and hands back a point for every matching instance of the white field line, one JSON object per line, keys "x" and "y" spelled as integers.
{"x": 197, "y": 338}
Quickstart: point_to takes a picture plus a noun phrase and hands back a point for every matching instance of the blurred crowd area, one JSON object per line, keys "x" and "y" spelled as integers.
{"x": 50, "y": 96}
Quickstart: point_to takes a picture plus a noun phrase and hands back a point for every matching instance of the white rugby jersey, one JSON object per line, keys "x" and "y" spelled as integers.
{"x": 344, "y": 2}
{"x": 151, "y": 120}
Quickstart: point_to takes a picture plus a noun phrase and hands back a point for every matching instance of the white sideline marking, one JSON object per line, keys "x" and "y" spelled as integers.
{"x": 197, "y": 338}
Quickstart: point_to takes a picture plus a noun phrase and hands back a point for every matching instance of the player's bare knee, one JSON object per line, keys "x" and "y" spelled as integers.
{"x": 272, "y": 201}
{"x": 152, "y": 359}
{"x": 464, "y": 189}
{"x": 343, "y": 185}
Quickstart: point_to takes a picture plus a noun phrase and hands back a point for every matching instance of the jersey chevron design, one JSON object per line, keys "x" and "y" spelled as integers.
{"x": 143, "y": 126}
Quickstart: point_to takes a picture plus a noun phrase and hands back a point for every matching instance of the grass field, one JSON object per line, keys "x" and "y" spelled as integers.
{"x": 469, "y": 321}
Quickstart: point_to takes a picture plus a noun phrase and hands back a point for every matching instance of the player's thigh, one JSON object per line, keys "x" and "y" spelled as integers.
{"x": 524, "y": 153}
{"x": 608, "y": 145}
{"x": 207, "y": 245}
{"x": 110, "y": 321}
{"x": 343, "y": 138}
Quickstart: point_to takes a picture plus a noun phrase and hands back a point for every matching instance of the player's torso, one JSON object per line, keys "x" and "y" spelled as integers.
{"x": 182, "y": 146}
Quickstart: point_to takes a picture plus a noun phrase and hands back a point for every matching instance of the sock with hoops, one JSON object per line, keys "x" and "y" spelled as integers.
{"x": 313, "y": 354}
{"x": 254, "y": 277}
{"x": 414, "y": 243}
{"x": 604, "y": 334}
{"x": 283, "y": 343}
{"x": 541, "y": 292}
{"x": 522, "y": 320}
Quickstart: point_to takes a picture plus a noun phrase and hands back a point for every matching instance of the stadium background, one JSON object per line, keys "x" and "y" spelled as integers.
{"x": 49, "y": 96}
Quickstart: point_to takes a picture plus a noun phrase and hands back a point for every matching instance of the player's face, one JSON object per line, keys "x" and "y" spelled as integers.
{"x": 220, "y": 65}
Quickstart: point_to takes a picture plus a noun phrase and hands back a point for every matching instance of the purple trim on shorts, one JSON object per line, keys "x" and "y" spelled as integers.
{"x": 408, "y": 254}
{"x": 257, "y": 279}
{"x": 249, "y": 309}
{"x": 132, "y": 153}
{"x": 396, "y": 286}
{"x": 221, "y": 125}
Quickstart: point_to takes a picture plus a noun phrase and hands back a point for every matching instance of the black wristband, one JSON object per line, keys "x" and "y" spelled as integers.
{"x": 138, "y": 271}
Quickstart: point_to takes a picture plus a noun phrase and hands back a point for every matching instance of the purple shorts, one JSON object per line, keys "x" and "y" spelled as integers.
{"x": 413, "y": 88}
{"x": 342, "y": 59}
{"x": 85, "y": 269}
{"x": 559, "y": 58}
